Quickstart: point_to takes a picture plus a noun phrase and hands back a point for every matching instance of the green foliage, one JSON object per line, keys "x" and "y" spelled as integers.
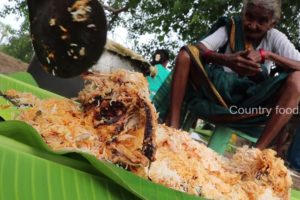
{"x": 188, "y": 20}
{"x": 16, "y": 7}
{"x": 17, "y": 43}
{"x": 19, "y": 47}
{"x": 191, "y": 19}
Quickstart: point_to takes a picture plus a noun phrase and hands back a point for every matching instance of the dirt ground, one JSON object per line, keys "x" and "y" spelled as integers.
{"x": 9, "y": 64}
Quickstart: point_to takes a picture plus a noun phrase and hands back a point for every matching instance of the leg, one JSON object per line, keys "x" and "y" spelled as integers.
{"x": 179, "y": 83}
{"x": 294, "y": 151}
{"x": 182, "y": 70}
{"x": 289, "y": 98}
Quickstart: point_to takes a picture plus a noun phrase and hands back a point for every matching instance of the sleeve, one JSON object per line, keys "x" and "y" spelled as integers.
{"x": 216, "y": 40}
{"x": 283, "y": 46}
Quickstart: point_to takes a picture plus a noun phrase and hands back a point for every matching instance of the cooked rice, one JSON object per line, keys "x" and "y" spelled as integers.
{"x": 181, "y": 163}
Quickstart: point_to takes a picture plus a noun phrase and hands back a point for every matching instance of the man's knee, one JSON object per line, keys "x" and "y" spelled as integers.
{"x": 293, "y": 82}
{"x": 183, "y": 56}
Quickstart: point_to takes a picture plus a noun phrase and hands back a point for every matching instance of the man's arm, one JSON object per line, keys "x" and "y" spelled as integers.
{"x": 283, "y": 54}
{"x": 285, "y": 63}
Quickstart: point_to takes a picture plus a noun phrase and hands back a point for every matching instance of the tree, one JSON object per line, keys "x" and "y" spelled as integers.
{"x": 173, "y": 23}
{"x": 18, "y": 42}
{"x": 190, "y": 19}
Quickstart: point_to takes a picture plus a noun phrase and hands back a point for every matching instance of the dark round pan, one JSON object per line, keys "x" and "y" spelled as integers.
{"x": 68, "y": 36}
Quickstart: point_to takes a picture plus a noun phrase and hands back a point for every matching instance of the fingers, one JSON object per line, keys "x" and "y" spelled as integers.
{"x": 240, "y": 63}
{"x": 250, "y": 64}
{"x": 244, "y": 53}
{"x": 251, "y": 55}
{"x": 246, "y": 67}
{"x": 247, "y": 63}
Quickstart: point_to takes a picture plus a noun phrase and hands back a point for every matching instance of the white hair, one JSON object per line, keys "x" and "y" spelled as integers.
{"x": 271, "y": 5}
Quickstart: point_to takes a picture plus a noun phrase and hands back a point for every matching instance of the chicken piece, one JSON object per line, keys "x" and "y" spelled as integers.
{"x": 123, "y": 116}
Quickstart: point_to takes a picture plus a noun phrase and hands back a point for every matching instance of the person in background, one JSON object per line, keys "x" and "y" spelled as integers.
{"x": 160, "y": 61}
{"x": 293, "y": 154}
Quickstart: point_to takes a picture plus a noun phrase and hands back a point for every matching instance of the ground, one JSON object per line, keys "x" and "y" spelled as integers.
{"x": 9, "y": 64}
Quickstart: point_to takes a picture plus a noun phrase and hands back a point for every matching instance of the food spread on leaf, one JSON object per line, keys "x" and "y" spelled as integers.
{"x": 114, "y": 120}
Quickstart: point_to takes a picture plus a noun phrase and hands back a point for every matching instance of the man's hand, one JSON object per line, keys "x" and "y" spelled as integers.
{"x": 254, "y": 56}
{"x": 243, "y": 63}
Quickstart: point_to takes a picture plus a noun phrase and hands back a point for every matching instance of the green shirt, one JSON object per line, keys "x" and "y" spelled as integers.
{"x": 155, "y": 83}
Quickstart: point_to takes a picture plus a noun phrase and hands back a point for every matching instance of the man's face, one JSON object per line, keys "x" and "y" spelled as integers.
{"x": 256, "y": 22}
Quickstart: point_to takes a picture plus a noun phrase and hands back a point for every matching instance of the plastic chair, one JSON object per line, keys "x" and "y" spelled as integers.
{"x": 219, "y": 137}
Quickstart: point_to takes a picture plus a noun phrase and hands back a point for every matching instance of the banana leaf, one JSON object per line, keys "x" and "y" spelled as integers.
{"x": 28, "y": 168}
{"x": 24, "y": 76}
{"x": 27, "y": 173}
{"x": 295, "y": 194}
{"x": 7, "y": 110}
{"x": 7, "y": 82}
{"x": 26, "y": 159}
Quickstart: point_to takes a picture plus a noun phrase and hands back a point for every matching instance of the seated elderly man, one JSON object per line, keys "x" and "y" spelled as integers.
{"x": 226, "y": 75}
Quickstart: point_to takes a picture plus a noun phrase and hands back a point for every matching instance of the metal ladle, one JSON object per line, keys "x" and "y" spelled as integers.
{"x": 68, "y": 36}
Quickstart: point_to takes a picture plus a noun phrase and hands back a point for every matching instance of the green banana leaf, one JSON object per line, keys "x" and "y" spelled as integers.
{"x": 22, "y": 149}
{"x": 30, "y": 170}
{"x": 7, "y": 82}
{"x": 28, "y": 167}
{"x": 295, "y": 195}
{"x": 27, "y": 173}
{"x": 24, "y": 76}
